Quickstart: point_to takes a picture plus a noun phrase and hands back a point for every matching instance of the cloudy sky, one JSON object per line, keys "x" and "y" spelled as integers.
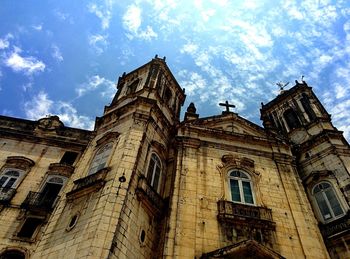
{"x": 64, "y": 57}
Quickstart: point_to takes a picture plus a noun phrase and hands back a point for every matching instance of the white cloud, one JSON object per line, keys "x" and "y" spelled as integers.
{"x": 189, "y": 48}
{"x": 38, "y": 27}
{"x": 4, "y": 42}
{"x": 28, "y": 65}
{"x": 103, "y": 13}
{"x": 132, "y": 23}
{"x": 41, "y": 105}
{"x": 38, "y": 107}
{"x": 107, "y": 86}
{"x": 98, "y": 42}
{"x": 193, "y": 83}
{"x": 56, "y": 53}
{"x": 132, "y": 18}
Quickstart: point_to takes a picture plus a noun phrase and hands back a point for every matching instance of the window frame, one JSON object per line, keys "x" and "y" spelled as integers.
{"x": 322, "y": 217}
{"x": 151, "y": 178}
{"x": 18, "y": 180}
{"x": 105, "y": 158}
{"x": 240, "y": 181}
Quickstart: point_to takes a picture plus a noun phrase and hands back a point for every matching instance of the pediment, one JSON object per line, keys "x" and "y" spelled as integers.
{"x": 230, "y": 123}
{"x": 248, "y": 249}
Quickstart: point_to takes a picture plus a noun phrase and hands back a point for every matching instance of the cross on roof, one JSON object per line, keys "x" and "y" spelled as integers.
{"x": 227, "y": 105}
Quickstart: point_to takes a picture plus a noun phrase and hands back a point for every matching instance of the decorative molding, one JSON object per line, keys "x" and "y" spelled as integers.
{"x": 19, "y": 162}
{"x": 61, "y": 169}
{"x": 109, "y": 136}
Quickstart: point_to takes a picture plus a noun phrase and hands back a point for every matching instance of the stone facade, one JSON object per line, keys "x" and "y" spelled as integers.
{"x": 144, "y": 184}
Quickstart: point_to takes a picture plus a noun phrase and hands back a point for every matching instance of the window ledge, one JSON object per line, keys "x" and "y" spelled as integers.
{"x": 88, "y": 184}
{"x": 150, "y": 198}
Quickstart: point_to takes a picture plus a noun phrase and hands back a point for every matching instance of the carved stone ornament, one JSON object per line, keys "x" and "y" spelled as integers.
{"x": 50, "y": 123}
{"x": 160, "y": 147}
{"x": 317, "y": 176}
{"x": 232, "y": 161}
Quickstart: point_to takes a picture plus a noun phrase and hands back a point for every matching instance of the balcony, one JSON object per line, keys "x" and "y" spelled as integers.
{"x": 88, "y": 184}
{"x": 6, "y": 195}
{"x": 336, "y": 228}
{"x": 236, "y": 213}
{"x": 150, "y": 198}
{"x": 37, "y": 201}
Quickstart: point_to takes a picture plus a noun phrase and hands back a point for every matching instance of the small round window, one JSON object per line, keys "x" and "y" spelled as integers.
{"x": 72, "y": 223}
{"x": 142, "y": 236}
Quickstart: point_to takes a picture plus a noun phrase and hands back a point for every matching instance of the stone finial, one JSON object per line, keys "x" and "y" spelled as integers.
{"x": 191, "y": 108}
{"x": 191, "y": 113}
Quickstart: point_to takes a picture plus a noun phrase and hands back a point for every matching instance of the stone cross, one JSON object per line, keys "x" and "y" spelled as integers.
{"x": 227, "y": 105}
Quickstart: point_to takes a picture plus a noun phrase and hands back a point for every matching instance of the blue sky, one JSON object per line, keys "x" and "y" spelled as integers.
{"x": 64, "y": 57}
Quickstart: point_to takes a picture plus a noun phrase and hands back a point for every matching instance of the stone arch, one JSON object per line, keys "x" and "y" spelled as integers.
{"x": 13, "y": 253}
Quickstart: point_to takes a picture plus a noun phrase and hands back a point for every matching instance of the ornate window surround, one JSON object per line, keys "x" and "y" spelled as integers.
{"x": 246, "y": 165}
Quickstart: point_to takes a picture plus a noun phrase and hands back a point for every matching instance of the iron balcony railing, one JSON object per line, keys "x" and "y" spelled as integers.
{"x": 6, "y": 195}
{"x": 236, "y": 212}
{"x": 39, "y": 201}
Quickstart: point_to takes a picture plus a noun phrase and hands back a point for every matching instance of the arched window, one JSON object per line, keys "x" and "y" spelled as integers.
{"x": 100, "y": 159}
{"x": 291, "y": 119}
{"x": 10, "y": 178}
{"x": 241, "y": 187}
{"x": 327, "y": 201}
{"x": 154, "y": 172}
{"x": 12, "y": 254}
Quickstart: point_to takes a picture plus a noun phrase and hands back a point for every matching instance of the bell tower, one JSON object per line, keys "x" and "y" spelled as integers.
{"x": 117, "y": 199}
{"x": 322, "y": 156}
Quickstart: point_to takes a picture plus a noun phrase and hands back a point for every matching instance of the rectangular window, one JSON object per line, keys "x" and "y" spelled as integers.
{"x": 69, "y": 158}
{"x": 29, "y": 227}
{"x": 236, "y": 196}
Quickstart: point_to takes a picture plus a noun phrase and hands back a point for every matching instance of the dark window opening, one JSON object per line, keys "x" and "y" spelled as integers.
{"x": 73, "y": 221}
{"x": 305, "y": 102}
{"x": 12, "y": 254}
{"x": 133, "y": 86}
{"x": 69, "y": 158}
{"x": 29, "y": 227}
{"x": 278, "y": 124}
{"x": 167, "y": 96}
{"x": 142, "y": 236}
{"x": 291, "y": 119}
{"x": 49, "y": 194}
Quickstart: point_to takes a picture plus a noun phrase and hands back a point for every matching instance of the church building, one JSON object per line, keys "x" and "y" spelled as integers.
{"x": 147, "y": 184}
